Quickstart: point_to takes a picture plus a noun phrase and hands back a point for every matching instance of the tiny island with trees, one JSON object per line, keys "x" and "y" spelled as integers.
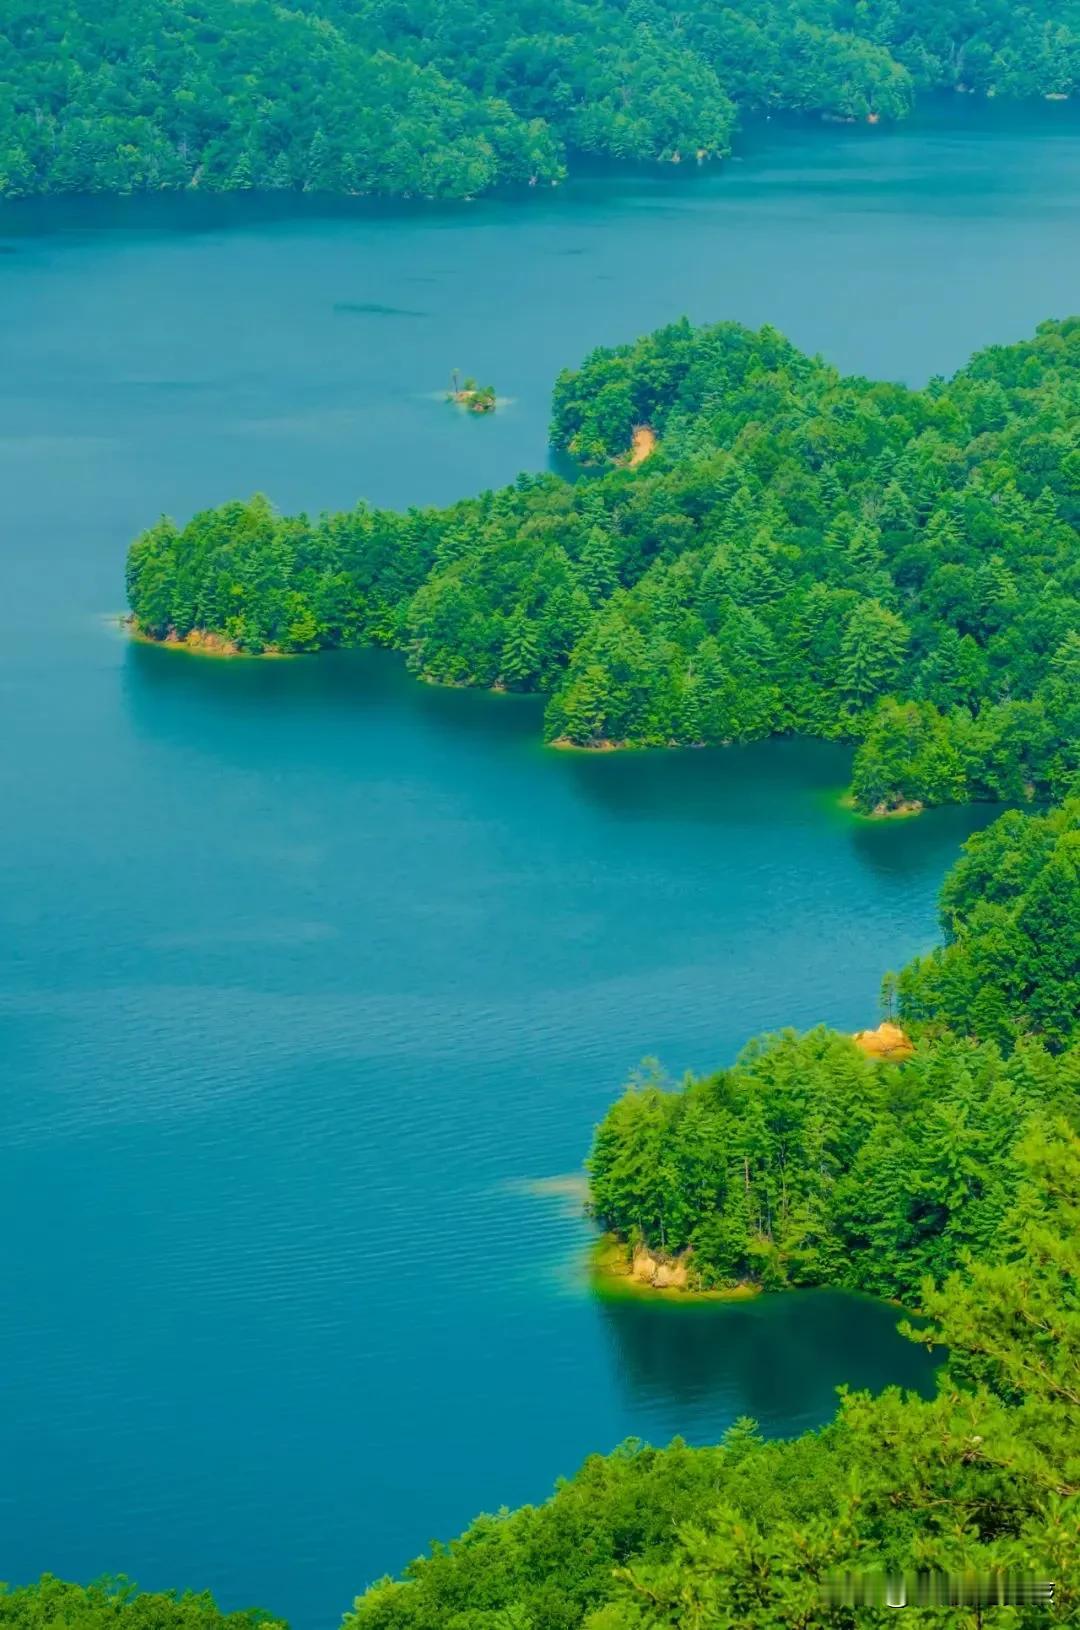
{"x": 468, "y": 394}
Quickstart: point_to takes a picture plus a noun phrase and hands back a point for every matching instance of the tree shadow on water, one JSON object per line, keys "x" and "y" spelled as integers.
{"x": 694, "y": 1368}
{"x": 310, "y": 704}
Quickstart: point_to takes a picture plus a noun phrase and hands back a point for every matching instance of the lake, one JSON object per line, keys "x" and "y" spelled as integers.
{"x": 318, "y": 979}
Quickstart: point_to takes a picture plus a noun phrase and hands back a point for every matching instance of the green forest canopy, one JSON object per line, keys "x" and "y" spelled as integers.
{"x": 447, "y": 98}
{"x": 809, "y": 1163}
{"x": 803, "y": 553}
{"x": 115, "y": 1604}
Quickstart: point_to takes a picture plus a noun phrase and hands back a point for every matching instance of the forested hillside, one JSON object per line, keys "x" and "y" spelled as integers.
{"x": 1010, "y": 911}
{"x": 811, "y": 1163}
{"x": 803, "y": 553}
{"x": 416, "y": 98}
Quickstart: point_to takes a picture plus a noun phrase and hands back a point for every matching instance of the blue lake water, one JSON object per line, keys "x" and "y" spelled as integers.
{"x": 317, "y": 978}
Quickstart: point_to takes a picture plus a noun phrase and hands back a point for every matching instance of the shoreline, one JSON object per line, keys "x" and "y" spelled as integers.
{"x": 563, "y": 744}
{"x": 206, "y": 643}
{"x": 906, "y": 810}
{"x": 619, "y": 1275}
{"x": 201, "y": 642}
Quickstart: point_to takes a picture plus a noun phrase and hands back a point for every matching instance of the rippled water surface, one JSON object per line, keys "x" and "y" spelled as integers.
{"x": 317, "y": 977}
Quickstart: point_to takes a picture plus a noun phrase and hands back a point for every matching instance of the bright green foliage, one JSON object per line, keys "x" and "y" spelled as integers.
{"x": 226, "y": 97}
{"x": 418, "y": 97}
{"x": 808, "y": 1163}
{"x": 802, "y": 553}
{"x": 1013, "y": 1315}
{"x": 986, "y": 1477}
{"x": 870, "y": 652}
{"x": 1011, "y": 911}
{"x": 115, "y": 1604}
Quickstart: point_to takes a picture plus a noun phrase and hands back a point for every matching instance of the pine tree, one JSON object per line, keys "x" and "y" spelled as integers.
{"x": 520, "y": 661}
{"x": 242, "y": 178}
{"x": 598, "y": 566}
{"x": 584, "y": 705}
{"x": 690, "y": 715}
{"x": 318, "y": 177}
{"x": 281, "y": 175}
{"x": 454, "y": 543}
{"x": 1045, "y": 508}
{"x": 896, "y": 513}
{"x": 865, "y": 552}
{"x": 832, "y": 493}
{"x": 872, "y": 650}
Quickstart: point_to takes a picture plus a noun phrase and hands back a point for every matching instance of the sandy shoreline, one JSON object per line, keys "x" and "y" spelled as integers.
{"x": 642, "y": 1274}
{"x": 199, "y": 642}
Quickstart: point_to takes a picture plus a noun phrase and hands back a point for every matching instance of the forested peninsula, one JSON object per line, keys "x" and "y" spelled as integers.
{"x": 416, "y": 98}
{"x": 800, "y": 552}
{"x": 949, "y": 1181}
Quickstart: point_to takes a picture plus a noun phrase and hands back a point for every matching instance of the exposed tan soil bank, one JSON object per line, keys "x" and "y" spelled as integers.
{"x": 200, "y": 640}
{"x": 642, "y": 444}
{"x": 618, "y": 1271}
{"x": 888, "y": 1041}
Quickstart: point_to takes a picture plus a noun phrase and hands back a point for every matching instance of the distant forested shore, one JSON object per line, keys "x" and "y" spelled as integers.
{"x": 419, "y": 99}
{"x": 800, "y": 553}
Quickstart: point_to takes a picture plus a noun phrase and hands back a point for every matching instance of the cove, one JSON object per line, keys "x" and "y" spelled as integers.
{"x": 318, "y": 977}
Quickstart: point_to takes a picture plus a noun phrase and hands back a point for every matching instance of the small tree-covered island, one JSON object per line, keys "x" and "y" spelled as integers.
{"x": 798, "y": 552}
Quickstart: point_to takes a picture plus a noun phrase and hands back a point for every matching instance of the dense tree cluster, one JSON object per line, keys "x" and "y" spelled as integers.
{"x": 414, "y": 97}
{"x": 223, "y": 96}
{"x": 808, "y": 1163}
{"x": 803, "y": 552}
{"x": 872, "y": 58}
{"x": 1010, "y": 908}
{"x": 115, "y": 1604}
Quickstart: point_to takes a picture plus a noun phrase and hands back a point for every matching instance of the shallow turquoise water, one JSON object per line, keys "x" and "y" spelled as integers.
{"x": 315, "y": 975}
